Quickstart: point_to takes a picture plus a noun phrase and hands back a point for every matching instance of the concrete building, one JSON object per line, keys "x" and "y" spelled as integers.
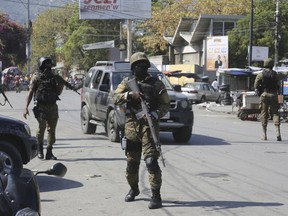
{"x": 195, "y": 43}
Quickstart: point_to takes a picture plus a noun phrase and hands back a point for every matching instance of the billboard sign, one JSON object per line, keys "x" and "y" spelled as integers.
{"x": 217, "y": 52}
{"x": 115, "y": 9}
{"x": 259, "y": 53}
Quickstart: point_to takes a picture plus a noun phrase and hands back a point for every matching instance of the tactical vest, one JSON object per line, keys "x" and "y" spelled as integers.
{"x": 270, "y": 81}
{"x": 46, "y": 92}
{"x": 150, "y": 96}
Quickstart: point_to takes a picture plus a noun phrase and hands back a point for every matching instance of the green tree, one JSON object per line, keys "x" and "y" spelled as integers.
{"x": 263, "y": 33}
{"x": 166, "y": 16}
{"x": 86, "y": 32}
{"x": 64, "y": 25}
{"x": 49, "y": 27}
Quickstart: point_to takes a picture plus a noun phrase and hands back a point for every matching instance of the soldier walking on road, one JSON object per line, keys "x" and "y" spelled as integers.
{"x": 46, "y": 87}
{"x": 269, "y": 82}
{"x": 137, "y": 132}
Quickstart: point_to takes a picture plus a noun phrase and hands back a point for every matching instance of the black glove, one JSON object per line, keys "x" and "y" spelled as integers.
{"x": 135, "y": 96}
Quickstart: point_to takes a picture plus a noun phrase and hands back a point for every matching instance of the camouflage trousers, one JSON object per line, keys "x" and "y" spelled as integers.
{"x": 269, "y": 104}
{"x": 140, "y": 141}
{"x": 48, "y": 118}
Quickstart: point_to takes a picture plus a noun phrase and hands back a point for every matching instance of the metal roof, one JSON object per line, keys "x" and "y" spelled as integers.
{"x": 191, "y": 30}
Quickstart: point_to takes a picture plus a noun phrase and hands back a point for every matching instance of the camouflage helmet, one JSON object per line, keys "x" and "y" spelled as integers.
{"x": 44, "y": 62}
{"x": 268, "y": 63}
{"x": 137, "y": 57}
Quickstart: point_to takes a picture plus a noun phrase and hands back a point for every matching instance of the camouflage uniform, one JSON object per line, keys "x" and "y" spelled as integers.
{"x": 46, "y": 109}
{"x": 48, "y": 116}
{"x": 269, "y": 97}
{"x": 138, "y": 134}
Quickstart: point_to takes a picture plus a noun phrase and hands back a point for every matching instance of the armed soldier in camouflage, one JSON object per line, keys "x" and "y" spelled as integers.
{"x": 269, "y": 82}
{"x": 137, "y": 132}
{"x": 46, "y": 87}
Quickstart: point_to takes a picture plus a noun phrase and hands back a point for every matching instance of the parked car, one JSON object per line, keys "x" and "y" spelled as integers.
{"x": 97, "y": 106}
{"x": 199, "y": 92}
{"x": 16, "y": 140}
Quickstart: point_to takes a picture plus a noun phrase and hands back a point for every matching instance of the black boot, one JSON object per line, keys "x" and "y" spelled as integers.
{"x": 156, "y": 201}
{"x": 133, "y": 192}
{"x": 40, "y": 151}
{"x": 278, "y": 133}
{"x": 49, "y": 155}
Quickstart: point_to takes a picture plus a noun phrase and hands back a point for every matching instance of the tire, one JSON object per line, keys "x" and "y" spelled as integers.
{"x": 242, "y": 115}
{"x": 219, "y": 100}
{"x": 86, "y": 126}
{"x": 112, "y": 127}
{"x": 10, "y": 158}
{"x": 226, "y": 101}
{"x": 182, "y": 134}
{"x": 202, "y": 99}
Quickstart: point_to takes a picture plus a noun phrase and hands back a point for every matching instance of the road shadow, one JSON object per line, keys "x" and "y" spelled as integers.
{"x": 51, "y": 183}
{"x": 214, "y": 205}
{"x": 219, "y": 205}
{"x": 196, "y": 139}
{"x": 92, "y": 159}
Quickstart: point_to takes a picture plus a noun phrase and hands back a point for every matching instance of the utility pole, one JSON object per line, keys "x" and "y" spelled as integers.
{"x": 129, "y": 39}
{"x": 28, "y": 32}
{"x": 251, "y": 34}
{"x": 277, "y": 36}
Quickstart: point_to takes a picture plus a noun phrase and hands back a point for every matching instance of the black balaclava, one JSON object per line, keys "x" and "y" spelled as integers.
{"x": 140, "y": 70}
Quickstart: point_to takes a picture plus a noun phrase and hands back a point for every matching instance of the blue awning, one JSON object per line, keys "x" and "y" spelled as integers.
{"x": 239, "y": 73}
{"x": 236, "y": 72}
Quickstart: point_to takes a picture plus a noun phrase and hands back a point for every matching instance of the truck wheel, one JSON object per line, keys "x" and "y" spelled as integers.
{"x": 112, "y": 127}
{"x": 86, "y": 126}
{"x": 182, "y": 134}
{"x": 202, "y": 99}
{"x": 10, "y": 157}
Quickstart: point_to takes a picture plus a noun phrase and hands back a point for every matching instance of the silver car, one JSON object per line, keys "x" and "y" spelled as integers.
{"x": 199, "y": 92}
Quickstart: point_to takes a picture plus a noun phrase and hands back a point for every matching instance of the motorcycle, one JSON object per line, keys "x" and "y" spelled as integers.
{"x": 19, "y": 190}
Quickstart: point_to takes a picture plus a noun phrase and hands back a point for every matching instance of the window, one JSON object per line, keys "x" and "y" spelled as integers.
{"x": 221, "y": 28}
{"x": 97, "y": 79}
{"x": 228, "y": 26}
{"x": 217, "y": 28}
{"x": 88, "y": 77}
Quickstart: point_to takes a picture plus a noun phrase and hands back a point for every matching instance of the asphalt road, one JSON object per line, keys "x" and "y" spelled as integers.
{"x": 224, "y": 170}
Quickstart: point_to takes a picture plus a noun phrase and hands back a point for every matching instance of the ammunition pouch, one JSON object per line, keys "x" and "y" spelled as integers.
{"x": 38, "y": 113}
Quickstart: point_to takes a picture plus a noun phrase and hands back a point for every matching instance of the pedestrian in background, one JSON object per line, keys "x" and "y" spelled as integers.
{"x": 215, "y": 84}
{"x": 137, "y": 132}
{"x": 268, "y": 82}
{"x": 45, "y": 87}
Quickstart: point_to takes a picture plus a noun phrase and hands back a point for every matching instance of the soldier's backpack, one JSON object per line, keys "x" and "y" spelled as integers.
{"x": 46, "y": 92}
{"x": 270, "y": 81}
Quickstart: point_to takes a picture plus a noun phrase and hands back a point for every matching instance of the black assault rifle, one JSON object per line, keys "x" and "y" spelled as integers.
{"x": 60, "y": 79}
{"x": 145, "y": 113}
{"x": 6, "y": 99}
{"x": 69, "y": 85}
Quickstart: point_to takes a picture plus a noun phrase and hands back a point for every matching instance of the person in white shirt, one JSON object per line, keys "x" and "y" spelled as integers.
{"x": 215, "y": 84}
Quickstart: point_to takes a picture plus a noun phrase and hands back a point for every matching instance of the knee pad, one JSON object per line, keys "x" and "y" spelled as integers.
{"x": 152, "y": 164}
{"x": 133, "y": 146}
{"x": 132, "y": 167}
